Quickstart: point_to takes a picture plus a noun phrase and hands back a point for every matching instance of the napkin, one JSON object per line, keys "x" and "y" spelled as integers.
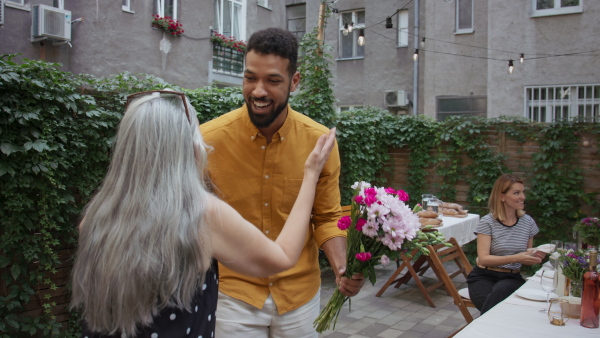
{"x": 546, "y": 248}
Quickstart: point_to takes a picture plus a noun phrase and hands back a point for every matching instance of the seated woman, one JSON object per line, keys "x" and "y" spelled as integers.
{"x": 504, "y": 244}
{"x": 145, "y": 265}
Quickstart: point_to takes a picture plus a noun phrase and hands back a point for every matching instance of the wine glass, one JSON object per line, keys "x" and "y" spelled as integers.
{"x": 549, "y": 283}
{"x": 553, "y": 258}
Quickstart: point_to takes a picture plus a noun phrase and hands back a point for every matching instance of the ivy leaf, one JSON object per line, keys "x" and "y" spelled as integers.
{"x": 8, "y": 148}
{"x": 15, "y": 271}
{"x": 6, "y": 168}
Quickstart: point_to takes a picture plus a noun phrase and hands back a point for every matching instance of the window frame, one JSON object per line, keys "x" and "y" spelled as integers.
{"x": 355, "y": 31}
{"x": 347, "y": 107}
{"x": 457, "y": 29}
{"x": 473, "y": 102}
{"x": 263, "y": 4}
{"x": 556, "y": 10}
{"x": 403, "y": 22}
{"x": 23, "y": 4}
{"x": 545, "y": 107}
{"x": 241, "y": 17}
{"x": 160, "y": 8}
{"x": 127, "y": 6}
{"x": 288, "y": 19}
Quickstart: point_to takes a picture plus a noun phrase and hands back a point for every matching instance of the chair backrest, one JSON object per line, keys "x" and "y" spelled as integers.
{"x": 440, "y": 254}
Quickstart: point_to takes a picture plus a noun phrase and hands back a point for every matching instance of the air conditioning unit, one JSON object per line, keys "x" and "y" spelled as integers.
{"x": 50, "y": 23}
{"x": 395, "y": 98}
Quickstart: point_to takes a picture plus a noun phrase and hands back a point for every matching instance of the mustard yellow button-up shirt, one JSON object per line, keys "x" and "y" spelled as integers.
{"x": 261, "y": 181}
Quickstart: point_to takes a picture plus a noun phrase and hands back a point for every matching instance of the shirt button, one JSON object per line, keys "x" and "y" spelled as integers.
{"x": 270, "y": 284}
{"x": 267, "y": 232}
{"x": 266, "y": 176}
{"x": 263, "y": 147}
{"x": 252, "y": 137}
{"x": 266, "y": 204}
{"x": 282, "y": 138}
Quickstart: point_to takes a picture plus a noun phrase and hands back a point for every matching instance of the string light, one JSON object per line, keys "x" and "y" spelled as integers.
{"x": 350, "y": 27}
{"x": 416, "y": 54}
{"x": 345, "y": 32}
{"x": 336, "y": 12}
{"x": 361, "y": 37}
{"x": 388, "y": 22}
{"x": 423, "y": 43}
{"x": 522, "y": 57}
{"x": 510, "y": 66}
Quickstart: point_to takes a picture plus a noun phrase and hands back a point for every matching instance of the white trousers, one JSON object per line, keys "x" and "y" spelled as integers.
{"x": 239, "y": 319}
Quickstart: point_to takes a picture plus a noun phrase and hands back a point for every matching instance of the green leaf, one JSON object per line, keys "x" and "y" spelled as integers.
{"x": 15, "y": 271}
{"x": 8, "y": 148}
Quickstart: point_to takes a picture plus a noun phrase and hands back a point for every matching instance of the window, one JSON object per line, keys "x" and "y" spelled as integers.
{"x": 19, "y": 4}
{"x": 403, "y": 28}
{"x": 563, "y": 103}
{"x": 464, "y": 16}
{"x": 461, "y": 106}
{"x": 126, "y": 6}
{"x": 555, "y": 7}
{"x": 349, "y": 47}
{"x": 345, "y": 108}
{"x": 166, "y": 8}
{"x": 16, "y": 2}
{"x": 296, "y": 20}
{"x": 229, "y": 18}
{"x": 1, "y": 12}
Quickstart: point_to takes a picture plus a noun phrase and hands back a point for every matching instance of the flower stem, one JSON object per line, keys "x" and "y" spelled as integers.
{"x": 330, "y": 312}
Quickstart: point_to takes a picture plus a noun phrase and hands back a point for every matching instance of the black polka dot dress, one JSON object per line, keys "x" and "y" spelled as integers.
{"x": 174, "y": 323}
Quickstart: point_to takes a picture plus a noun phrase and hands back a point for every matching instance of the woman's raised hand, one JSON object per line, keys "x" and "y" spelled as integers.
{"x": 320, "y": 153}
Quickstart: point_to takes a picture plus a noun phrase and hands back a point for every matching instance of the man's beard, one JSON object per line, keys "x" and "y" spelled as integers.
{"x": 265, "y": 120}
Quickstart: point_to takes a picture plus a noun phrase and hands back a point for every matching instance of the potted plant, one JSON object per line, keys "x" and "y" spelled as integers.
{"x": 167, "y": 24}
{"x": 228, "y": 42}
{"x": 589, "y": 231}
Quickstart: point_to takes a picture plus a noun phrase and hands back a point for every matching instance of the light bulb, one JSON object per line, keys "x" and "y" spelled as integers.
{"x": 345, "y": 32}
{"x": 510, "y": 66}
{"x": 522, "y": 57}
{"x": 350, "y": 27}
{"x": 416, "y": 55}
{"x": 361, "y": 37}
{"x": 422, "y": 42}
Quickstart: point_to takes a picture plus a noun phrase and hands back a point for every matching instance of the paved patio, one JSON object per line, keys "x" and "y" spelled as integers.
{"x": 401, "y": 312}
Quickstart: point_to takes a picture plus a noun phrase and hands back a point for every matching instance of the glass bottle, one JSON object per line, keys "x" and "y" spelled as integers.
{"x": 590, "y": 299}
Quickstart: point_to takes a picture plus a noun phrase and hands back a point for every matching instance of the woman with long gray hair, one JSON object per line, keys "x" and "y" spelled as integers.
{"x": 144, "y": 264}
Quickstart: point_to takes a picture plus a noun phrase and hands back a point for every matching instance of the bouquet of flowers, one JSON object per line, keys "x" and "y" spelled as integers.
{"x": 167, "y": 24}
{"x": 589, "y": 228}
{"x": 379, "y": 227}
{"x": 574, "y": 265}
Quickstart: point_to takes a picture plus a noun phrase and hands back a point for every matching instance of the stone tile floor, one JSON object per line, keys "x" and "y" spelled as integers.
{"x": 399, "y": 312}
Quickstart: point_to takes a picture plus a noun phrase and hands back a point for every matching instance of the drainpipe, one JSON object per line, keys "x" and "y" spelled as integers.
{"x": 416, "y": 63}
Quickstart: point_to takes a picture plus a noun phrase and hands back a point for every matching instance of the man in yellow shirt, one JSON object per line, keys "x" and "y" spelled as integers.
{"x": 257, "y": 167}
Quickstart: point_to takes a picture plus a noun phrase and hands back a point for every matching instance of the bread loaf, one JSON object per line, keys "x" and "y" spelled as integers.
{"x": 455, "y": 206}
{"x": 427, "y": 214}
{"x": 430, "y": 221}
{"x": 448, "y": 211}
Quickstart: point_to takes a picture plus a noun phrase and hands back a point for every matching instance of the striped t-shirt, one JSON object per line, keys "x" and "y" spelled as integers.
{"x": 508, "y": 240}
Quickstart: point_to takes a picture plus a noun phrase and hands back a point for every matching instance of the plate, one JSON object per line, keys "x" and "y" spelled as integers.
{"x": 535, "y": 295}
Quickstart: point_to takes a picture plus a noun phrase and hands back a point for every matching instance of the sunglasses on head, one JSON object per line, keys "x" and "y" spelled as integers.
{"x": 160, "y": 92}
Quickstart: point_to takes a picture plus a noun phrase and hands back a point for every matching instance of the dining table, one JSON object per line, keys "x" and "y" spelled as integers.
{"x": 461, "y": 228}
{"x": 519, "y": 316}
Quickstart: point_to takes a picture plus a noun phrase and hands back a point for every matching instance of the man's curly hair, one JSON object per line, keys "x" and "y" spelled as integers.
{"x": 278, "y": 42}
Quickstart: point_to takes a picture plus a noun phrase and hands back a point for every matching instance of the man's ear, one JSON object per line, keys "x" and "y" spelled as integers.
{"x": 295, "y": 81}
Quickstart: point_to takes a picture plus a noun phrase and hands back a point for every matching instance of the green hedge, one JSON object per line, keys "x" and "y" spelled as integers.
{"x": 57, "y": 129}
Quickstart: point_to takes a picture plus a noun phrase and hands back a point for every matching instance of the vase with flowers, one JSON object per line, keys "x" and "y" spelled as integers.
{"x": 574, "y": 264}
{"x": 379, "y": 228}
{"x": 167, "y": 24}
{"x": 589, "y": 231}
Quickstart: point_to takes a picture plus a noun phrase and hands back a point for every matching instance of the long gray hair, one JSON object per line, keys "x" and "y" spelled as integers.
{"x": 143, "y": 243}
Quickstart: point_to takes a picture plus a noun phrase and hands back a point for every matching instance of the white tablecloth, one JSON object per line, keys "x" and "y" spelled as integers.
{"x": 460, "y": 228}
{"x": 518, "y": 317}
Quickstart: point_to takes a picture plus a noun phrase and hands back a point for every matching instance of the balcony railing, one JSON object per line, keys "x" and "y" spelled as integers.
{"x": 227, "y": 61}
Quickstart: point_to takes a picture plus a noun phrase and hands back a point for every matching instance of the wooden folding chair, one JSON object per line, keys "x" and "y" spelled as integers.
{"x": 346, "y": 210}
{"x": 440, "y": 254}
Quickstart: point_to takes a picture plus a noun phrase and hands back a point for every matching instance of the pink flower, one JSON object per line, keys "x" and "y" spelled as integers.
{"x": 402, "y": 195}
{"x": 385, "y": 260}
{"x": 370, "y": 199}
{"x": 390, "y": 190}
{"x": 360, "y": 223}
{"x": 363, "y": 256}
{"x": 344, "y": 222}
{"x": 358, "y": 199}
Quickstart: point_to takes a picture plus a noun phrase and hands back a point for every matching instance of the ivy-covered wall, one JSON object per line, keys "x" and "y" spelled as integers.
{"x": 56, "y": 131}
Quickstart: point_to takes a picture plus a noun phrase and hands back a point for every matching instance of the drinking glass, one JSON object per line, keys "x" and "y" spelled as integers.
{"x": 556, "y": 311}
{"x": 434, "y": 203}
{"x": 570, "y": 246}
{"x": 558, "y": 244}
{"x": 553, "y": 257}
{"x": 549, "y": 285}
